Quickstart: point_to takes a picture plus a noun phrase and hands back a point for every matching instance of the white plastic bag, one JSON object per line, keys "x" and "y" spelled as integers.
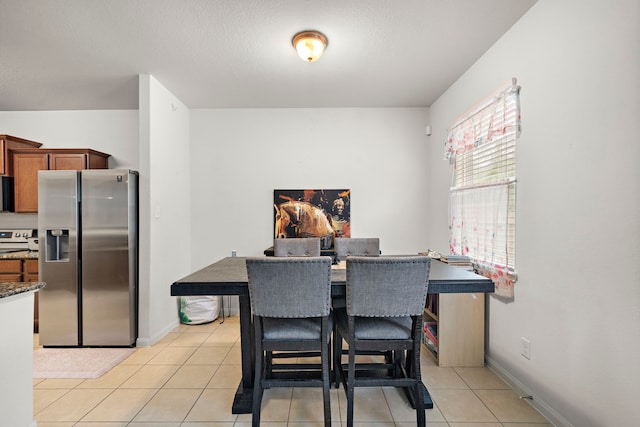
{"x": 195, "y": 310}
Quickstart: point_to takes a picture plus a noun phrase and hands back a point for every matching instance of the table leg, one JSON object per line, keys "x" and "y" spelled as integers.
{"x": 428, "y": 403}
{"x": 243, "y": 400}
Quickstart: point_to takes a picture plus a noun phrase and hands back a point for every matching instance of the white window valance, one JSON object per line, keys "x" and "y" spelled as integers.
{"x": 492, "y": 119}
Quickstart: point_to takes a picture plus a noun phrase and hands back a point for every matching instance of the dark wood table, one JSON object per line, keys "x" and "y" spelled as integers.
{"x": 229, "y": 277}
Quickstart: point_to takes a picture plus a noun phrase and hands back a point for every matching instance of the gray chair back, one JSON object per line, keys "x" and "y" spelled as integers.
{"x": 292, "y": 287}
{"x": 387, "y": 286}
{"x": 356, "y": 246}
{"x": 302, "y": 246}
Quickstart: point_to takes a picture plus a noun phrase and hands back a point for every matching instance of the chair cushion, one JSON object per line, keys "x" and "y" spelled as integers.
{"x": 293, "y": 329}
{"x": 376, "y": 328}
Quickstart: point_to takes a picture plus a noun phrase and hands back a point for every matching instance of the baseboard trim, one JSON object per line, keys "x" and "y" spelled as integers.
{"x": 538, "y": 404}
{"x": 149, "y": 341}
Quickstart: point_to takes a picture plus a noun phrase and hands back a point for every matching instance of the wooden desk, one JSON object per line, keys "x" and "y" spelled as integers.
{"x": 229, "y": 277}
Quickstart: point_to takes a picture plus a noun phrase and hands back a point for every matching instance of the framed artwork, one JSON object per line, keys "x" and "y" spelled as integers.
{"x": 312, "y": 213}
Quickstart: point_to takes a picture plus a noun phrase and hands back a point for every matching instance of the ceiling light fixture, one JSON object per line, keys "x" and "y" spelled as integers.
{"x": 310, "y": 45}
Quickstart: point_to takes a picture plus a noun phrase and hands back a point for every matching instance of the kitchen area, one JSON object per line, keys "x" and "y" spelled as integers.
{"x": 87, "y": 253}
{"x": 68, "y": 258}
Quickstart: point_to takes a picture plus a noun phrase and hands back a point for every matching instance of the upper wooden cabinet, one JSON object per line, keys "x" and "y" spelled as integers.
{"x": 8, "y": 142}
{"x": 27, "y": 163}
{"x": 67, "y": 159}
{"x": 25, "y": 179}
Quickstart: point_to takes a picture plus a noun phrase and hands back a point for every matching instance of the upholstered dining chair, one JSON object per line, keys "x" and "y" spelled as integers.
{"x": 385, "y": 302}
{"x": 345, "y": 247}
{"x": 298, "y": 246}
{"x": 356, "y": 246}
{"x": 290, "y": 303}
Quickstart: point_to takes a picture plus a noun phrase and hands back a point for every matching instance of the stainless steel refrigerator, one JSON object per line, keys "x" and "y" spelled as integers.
{"x": 88, "y": 257}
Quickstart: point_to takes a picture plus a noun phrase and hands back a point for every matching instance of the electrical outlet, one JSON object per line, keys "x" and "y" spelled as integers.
{"x": 525, "y": 350}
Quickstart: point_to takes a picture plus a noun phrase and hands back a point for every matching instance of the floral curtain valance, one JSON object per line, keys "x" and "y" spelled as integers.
{"x": 491, "y": 120}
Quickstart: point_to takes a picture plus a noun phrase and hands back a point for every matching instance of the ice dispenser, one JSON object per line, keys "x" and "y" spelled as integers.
{"x": 57, "y": 245}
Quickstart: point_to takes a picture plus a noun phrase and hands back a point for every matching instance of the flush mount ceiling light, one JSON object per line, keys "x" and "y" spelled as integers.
{"x": 310, "y": 45}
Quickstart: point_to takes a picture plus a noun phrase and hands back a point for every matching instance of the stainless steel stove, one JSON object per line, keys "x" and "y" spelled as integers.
{"x": 17, "y": 240}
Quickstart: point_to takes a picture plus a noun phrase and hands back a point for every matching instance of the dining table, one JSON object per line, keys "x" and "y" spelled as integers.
{"x": 228, "y": 276}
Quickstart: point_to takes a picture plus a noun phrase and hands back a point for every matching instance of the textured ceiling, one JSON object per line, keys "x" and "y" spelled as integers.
{"x": 87, "y": 54}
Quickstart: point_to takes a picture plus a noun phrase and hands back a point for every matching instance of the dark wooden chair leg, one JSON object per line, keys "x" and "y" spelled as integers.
{"x": 257, "y": 383}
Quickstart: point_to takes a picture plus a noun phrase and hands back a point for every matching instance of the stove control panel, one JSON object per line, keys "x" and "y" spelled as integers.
{"x": 17, "y": 236}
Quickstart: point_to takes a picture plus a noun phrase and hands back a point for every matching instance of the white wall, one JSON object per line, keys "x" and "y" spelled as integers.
{"x": 165, "y": 203}
{"x": 578, "y": 218}
{"x": 238, "y": 157}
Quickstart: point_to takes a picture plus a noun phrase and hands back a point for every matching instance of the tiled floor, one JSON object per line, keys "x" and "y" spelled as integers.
{"x": 189, "y": 379}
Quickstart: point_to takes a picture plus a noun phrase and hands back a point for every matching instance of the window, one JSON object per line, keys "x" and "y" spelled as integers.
{"x": 482, "y": 148}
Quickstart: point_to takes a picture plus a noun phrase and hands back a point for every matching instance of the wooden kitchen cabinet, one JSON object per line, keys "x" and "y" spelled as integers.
{"x": 30, "y": 270}
{"x": 10, "y": 270}
{"x": 73, "y": 160}
{"x": 22, "y": 270}
{"x": 8, "y": 143}
{"x": 25, "y": 180}
{"x": 27, "y": 163}
{"x": 30, "y": 274}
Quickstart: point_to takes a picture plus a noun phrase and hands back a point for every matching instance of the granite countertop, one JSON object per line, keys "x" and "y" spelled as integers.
{"x": 8, "y": 289}
{"x": 12, "y": 288}
{"x": 20, "y": 255}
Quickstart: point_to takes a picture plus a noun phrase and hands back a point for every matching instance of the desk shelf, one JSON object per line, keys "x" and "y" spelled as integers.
{"x": 459, "y": 320}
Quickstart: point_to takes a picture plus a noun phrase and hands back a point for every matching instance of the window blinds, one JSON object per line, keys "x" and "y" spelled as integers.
{"x": 496, "y": 118}
{"x": 482, "y": 147}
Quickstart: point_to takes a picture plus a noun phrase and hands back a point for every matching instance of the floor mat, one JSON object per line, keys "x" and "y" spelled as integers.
{"x": 77, "y": 362}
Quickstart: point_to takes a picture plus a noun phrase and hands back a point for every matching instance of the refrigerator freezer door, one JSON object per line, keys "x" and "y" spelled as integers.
{"x": 58, "y": 224}
{"x": 108, "y": 264}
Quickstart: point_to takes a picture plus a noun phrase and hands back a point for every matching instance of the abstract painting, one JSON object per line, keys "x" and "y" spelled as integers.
{"x": 312, "y": 213}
